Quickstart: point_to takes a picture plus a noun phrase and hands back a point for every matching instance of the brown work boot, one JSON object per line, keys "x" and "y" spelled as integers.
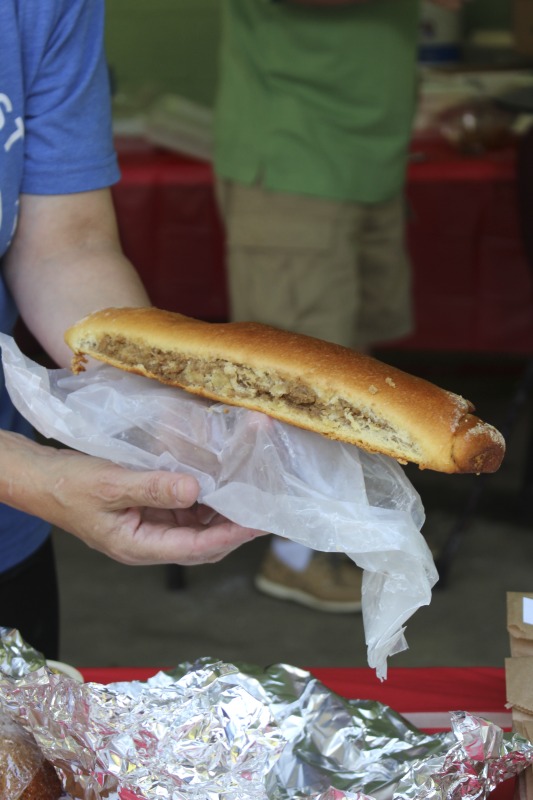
{"x": 331, "y": 582}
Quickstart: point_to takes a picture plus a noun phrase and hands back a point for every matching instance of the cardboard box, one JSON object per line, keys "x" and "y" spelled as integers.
{"x": 524, "y": 785}
{"x": 523, "y": 26}
{"x": 519, "y": 675}
{"x": 519, "y": 688}
{"x": 520, "y": 621}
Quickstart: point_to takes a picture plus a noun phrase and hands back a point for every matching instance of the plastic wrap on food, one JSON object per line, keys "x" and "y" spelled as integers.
{"x": 22, "y": 763}
{"x": 217, "y": 731}
{"x": 258, "y": 472}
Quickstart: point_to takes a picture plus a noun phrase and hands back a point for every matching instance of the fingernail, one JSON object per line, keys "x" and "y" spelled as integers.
{"x": 186, "y": 486}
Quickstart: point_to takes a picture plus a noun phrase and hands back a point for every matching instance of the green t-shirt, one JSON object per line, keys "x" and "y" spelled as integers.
{"x": 317, "y": 101}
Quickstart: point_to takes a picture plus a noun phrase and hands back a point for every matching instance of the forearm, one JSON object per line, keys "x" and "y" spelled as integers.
{"x": 25, "y": 467}
{"x": 59, "y": 272}
{"x": 50, "y": 310}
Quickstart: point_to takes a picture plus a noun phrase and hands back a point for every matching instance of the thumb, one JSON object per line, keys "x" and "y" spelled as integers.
{"x": 161, "y": 490}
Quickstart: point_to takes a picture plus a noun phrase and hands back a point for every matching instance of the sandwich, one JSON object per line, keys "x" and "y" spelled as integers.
{"x": 301, "y": 380}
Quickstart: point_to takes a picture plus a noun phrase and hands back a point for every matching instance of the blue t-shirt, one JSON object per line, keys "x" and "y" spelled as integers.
{"x": 55, "y": 138}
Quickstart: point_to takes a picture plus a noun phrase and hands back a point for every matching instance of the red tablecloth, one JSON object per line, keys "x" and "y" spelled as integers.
{"x": 170, "y": 229}
{"x": 472, "y": 284}
{"x": 473, "y": 287}
{"x": 424, "y": 695}
{"x": 435, "y": 161}
{"x": 438, "y": 690}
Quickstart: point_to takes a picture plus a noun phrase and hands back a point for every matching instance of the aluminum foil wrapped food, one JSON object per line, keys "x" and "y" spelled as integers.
{"x": 213, "y": 730}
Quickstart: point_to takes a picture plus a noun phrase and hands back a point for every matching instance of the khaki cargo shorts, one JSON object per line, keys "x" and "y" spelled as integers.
{"x": 335, "y": 270}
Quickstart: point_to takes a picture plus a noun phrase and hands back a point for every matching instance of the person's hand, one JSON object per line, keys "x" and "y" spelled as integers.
{"x": 148, "y": 517}
{"x": 141, "y": 517}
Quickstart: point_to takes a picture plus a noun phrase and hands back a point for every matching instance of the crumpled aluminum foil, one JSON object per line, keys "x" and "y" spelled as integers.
{"x": 482, "y": 758}
{"x": 220, "y": 731}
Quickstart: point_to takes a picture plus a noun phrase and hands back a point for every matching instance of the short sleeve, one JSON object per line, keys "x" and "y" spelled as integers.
{"x": 68, "y": 126}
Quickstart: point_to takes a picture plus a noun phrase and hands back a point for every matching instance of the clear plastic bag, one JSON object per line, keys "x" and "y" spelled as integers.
{"x": 254, "y": 470}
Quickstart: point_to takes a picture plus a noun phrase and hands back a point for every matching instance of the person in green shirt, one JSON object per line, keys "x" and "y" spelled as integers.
{"x": 313, "y": 119}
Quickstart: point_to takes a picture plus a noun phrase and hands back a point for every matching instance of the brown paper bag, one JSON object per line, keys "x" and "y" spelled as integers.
{"x": 524, "y": 785}
{"x": 520, "y": 630}
{"x": 519, "y": 685}
{"x": 519, "y": 677}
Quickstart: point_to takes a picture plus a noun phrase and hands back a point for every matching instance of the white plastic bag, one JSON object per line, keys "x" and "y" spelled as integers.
{"x": 252, "y": 469}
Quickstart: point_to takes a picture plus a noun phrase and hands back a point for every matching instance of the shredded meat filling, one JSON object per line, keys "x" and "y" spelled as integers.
{"x": 230, "y": 381}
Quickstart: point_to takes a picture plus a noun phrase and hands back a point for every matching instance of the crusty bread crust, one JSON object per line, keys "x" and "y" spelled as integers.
{"x": 298, "y": 379}
{"x": 45, "y": 785}
{"x": 23, "y": 767}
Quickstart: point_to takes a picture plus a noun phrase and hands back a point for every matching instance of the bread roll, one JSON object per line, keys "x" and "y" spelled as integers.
{"x": 298, "y": 379}
{"x": 25, "y": 774}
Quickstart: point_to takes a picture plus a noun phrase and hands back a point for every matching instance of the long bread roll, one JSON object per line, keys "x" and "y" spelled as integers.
{"x": 298, "y": 379}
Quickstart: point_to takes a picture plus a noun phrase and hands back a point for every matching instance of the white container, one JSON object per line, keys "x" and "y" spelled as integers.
{"x": 65, "y": 669}
{"x": 440, "y": 40}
